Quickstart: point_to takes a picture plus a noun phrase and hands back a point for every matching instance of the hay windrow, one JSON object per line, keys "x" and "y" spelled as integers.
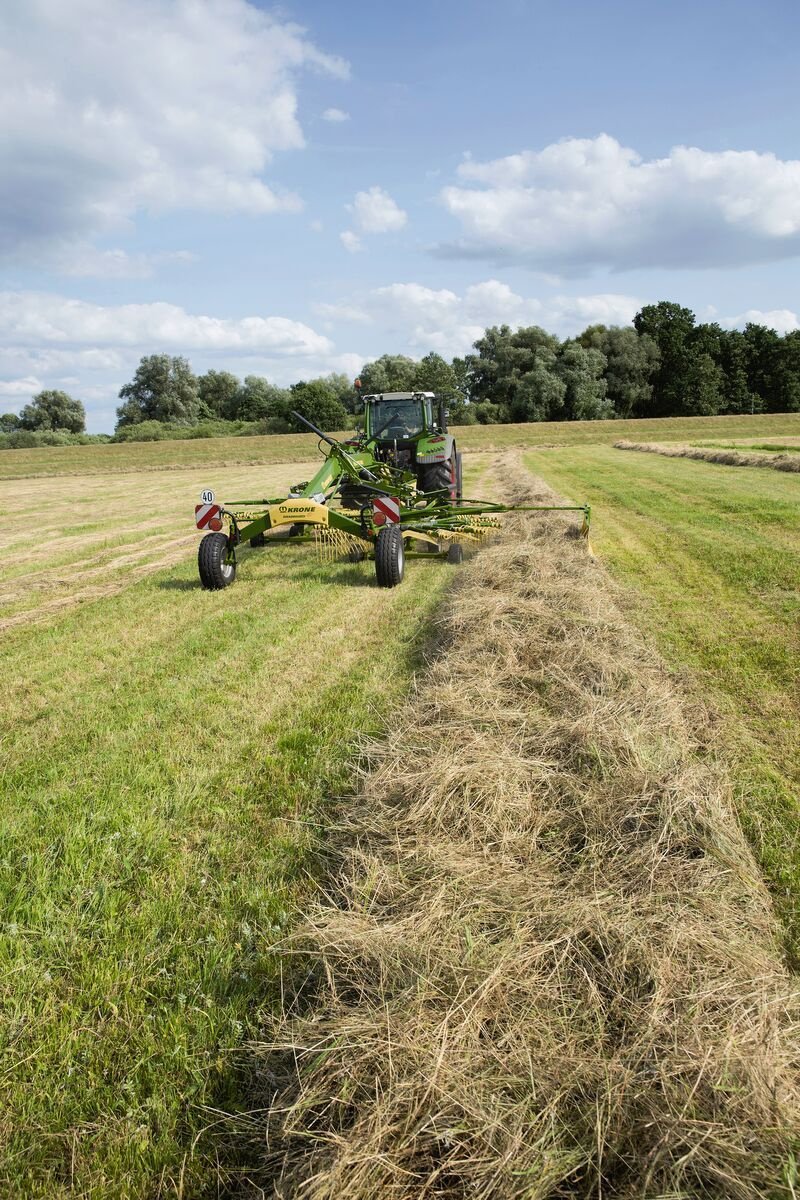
{"x": 546, "y": 966}
{"x": 728, "y": 458}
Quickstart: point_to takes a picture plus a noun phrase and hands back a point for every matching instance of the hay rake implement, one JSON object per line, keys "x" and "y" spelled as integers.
{"x": 357, "y": 506}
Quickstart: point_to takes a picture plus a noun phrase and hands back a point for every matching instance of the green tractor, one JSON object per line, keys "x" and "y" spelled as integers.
{"x": 408, "y": 431}
{"x": 392, "y": 492}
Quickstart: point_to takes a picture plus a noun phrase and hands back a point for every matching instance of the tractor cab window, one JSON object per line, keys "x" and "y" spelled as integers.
{"x": 399, "y": 418}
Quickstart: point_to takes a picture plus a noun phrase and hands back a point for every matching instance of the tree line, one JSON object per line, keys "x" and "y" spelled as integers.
{"x": 665, "y": 364}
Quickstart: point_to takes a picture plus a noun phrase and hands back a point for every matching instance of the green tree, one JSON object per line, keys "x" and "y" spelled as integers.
{"x": 260, "y": 400}
{"x": 389, "y": 373}
{"x": 631, "y": 361}
{"x": 737, "y": 396}
{"x": 52, "y": 409}
{"x": 434, "y": 374}
{"x": 703, "y": 394}
{"x": 9, "y": 422}
{"x": 163, "y": 389}
{"x": 219, "y": 394}
{"x": 582, "y": 370}
{"x": 498, "y": 374}
{"x": 789, "y": 373}
{"x": 539, "y": 393}
{"x": 344, "y": 389}
{"x": 670, "y": 326}
{"x": 317, "y": 401}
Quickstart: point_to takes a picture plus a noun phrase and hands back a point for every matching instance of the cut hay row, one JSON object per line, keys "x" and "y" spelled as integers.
{"x": 728, "y": 458}
{"x": 546, "y": 965}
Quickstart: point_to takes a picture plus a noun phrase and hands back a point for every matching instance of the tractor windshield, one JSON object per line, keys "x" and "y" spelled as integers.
{"x": 397, "y": 418}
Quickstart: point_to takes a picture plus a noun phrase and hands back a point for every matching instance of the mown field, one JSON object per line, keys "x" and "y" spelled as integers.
{"x": 166, "y": 754}
{"x": 171, "y": 757}
{"x": 710, "y": 558}
{"x": 243, "y": 451}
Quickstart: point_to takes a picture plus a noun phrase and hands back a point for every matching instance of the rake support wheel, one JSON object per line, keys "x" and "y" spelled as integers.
{"x": 212, "y": 562}
{"x": 390, "y": 558}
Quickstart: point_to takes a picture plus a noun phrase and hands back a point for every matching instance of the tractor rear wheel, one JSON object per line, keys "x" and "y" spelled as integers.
{"x": 459, "y": 477}
{"x": 212, "y": 562}
{"x": 432, "y": 477}
{"x": 390, "y": 558}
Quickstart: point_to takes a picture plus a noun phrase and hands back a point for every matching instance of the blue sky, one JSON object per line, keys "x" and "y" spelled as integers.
{"x": 289, "y": 191}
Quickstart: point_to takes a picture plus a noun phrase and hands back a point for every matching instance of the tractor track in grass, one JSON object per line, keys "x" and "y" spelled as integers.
{"x": 545, "y": 963}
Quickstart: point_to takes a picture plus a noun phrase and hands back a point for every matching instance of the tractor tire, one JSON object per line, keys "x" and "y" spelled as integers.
{"x": 390, "y": 558}
{"x": 258, "y": 540}
{"x": 459, "y": 476}
{"x": 215, "y": 571}
{"x": 455, "y": 553}
{"x": 431, "y": 477}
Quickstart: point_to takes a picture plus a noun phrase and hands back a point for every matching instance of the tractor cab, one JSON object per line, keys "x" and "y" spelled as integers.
{"x": 408, "y": 430}
{"x": 399, "y": 416}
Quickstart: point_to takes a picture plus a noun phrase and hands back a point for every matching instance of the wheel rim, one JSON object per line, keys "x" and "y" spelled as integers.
{"x": 401, "y": 556}
{"x": 226, "y": 568}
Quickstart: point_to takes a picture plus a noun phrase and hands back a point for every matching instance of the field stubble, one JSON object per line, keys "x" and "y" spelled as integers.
{"x": 546, "y": 964}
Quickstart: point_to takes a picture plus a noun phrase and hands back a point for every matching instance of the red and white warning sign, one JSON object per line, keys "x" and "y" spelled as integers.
{"x": 207, "y": 516}
{"x": 386, "y": 508}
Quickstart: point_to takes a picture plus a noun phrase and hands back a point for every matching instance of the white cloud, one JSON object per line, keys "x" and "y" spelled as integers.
{"x": 341, "y": 312}
{"x": 591, "y": 202}
{"x": 109, "y": 107}
{"x": 336, "y": 115}
{"x": 783, "y": 320}
{"x": 90, "y": 350}
{"x": 36, "y": 318}
{"x": 442, "y": 320}
{"x": 83, "y": 260}
{"x": 351, "y": 241}
{"x": 376, "y": 212}
{"x": 316, "y": 226}
{"x": 20, "y": 387}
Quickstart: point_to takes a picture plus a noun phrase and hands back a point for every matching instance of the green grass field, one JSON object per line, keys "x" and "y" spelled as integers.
{"x": 710, "y": 559}
{"x": 217, "y": 453}
{"x": 170, "y": 756}
{"x": 164, "y": 751}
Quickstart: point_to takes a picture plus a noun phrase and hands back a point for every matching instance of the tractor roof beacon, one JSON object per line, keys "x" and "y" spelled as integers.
{"x": 391, "y": 492}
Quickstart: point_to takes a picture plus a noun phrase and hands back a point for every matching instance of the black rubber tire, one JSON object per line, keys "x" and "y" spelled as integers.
{"x": 390, "y": 558}
{"x": 455, "y": 553}
{"x": 215, "y": 571}
{"x": 433, "y": 476}
{"x": 258, "y": 540}
{"x": 459, "y": 476}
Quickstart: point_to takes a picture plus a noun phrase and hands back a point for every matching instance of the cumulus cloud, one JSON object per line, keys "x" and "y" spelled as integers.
{"x": 591, "y": 202}
{"x": 108, "y": 107}
{"x": 336, "y": 115}
{"x": 36, "y": 318}
{"x": 783, "y": 320}
{"x": 376, "y": 212}
{"x": 83, "y": 260}
{"x": 48, "y": 340}
{"x": 351, "y": 241}
{"x": 16, "y": 388}
{"x": 448, "y": 322}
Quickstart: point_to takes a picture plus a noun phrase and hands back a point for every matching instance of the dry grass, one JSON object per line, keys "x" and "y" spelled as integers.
{"x": 546, "y": 966}
{"x": 728, "y": 458}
